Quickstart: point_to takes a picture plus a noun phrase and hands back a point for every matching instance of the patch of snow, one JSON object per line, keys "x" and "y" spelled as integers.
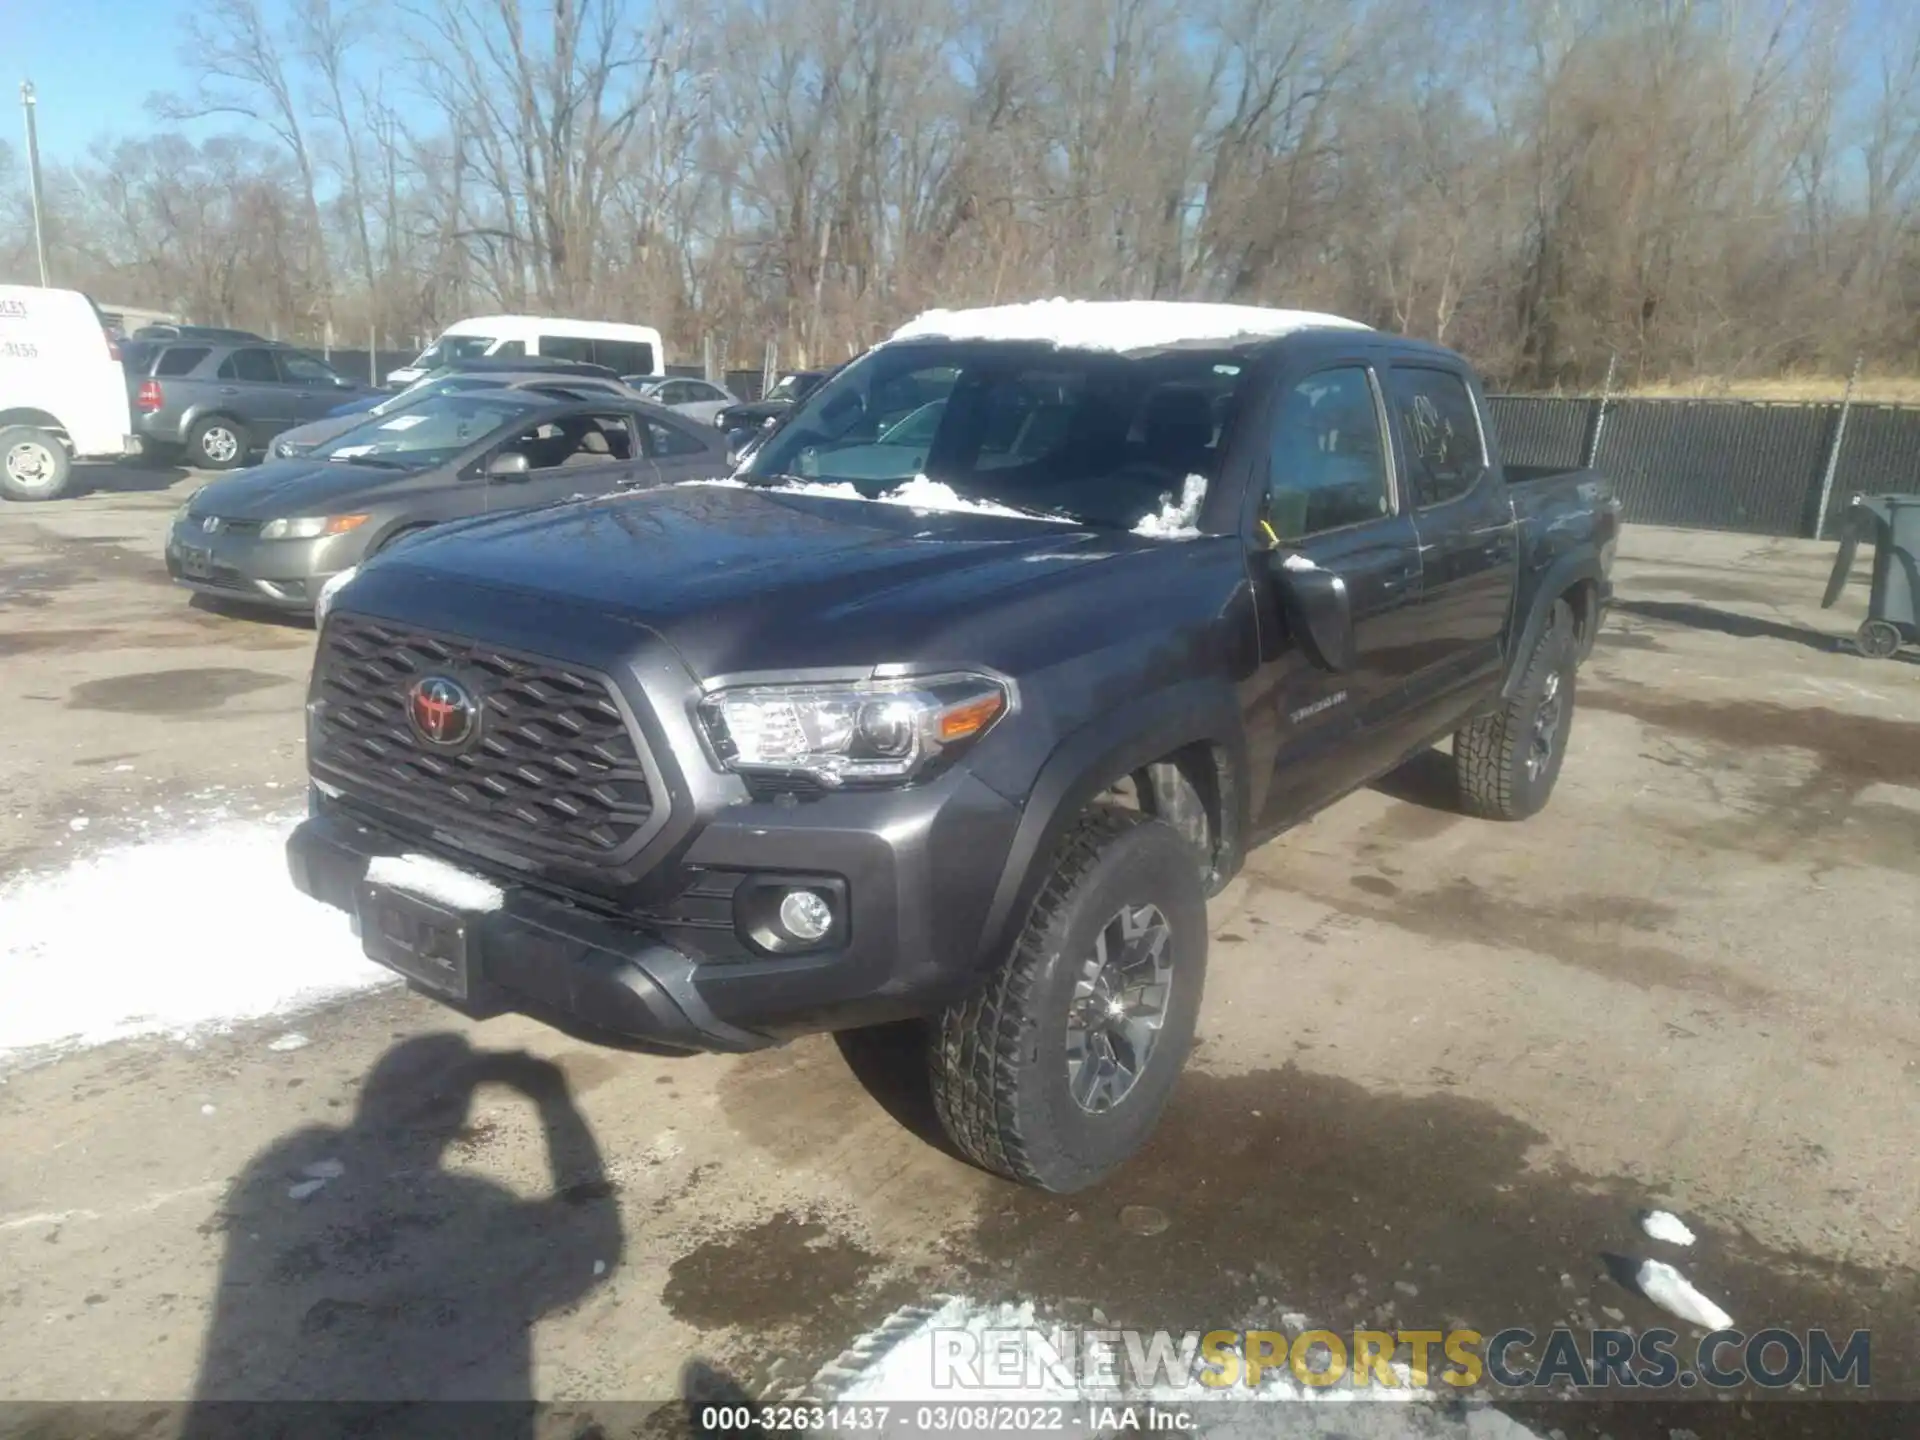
{"x": 959, "y": 1351}
{"x": 95, "y": 952}
{"x": 1672, "y": 1292}
{"x": 1297, "y": 563}
{"x": 330, "y": 591}
{"x": 919, "y": 493}
{"x": 324, "y": 1170}
{"x": 1660, "y": 1225}
{"x": 431, "y": 878}
{"x": 292, "y": 1040}
{"x": 79, "y": 822}
{"x": 122, "y": 769}
{"x": 1116, "y": 325}
{"x": 599, "y": 1267}
{"x": 304, "y": 1189}
{"x": 1177, "y": 519}
{"x": 206, "y": 1110}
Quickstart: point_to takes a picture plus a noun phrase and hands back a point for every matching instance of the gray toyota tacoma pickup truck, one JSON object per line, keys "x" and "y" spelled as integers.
{"x": 961, "y": 728}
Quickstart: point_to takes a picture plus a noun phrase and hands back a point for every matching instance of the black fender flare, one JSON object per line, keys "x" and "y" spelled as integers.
{"x": 1091, "y": 760}
{"x": 1576, "y": 567}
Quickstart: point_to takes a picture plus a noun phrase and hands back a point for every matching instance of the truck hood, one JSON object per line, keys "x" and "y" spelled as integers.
{"x": 282, "y": 488}
{"x": 738, "y": 579}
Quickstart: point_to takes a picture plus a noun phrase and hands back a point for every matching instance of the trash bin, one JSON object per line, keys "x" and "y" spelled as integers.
{"x": 1892, "y": 522}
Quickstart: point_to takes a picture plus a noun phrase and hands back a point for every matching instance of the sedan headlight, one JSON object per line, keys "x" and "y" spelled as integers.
{"x": 311, "y": 527}
{"x": 872, "y": 732}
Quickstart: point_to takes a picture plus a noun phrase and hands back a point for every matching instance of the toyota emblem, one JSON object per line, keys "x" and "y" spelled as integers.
{"x": 443, "y": 711}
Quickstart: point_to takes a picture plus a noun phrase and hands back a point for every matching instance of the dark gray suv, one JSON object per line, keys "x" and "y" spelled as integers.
{"x": 214, "y": 403}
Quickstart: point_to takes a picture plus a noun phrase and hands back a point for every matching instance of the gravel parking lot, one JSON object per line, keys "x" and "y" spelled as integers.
{"x": 1444, "y": 1065}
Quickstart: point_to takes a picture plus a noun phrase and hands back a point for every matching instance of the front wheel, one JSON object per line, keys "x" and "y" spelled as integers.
{"x": 1056, "y": 1070}
{"x": 217, "y": 443}
{"x": 1505, "y": 764}
{"x": 34, "y": 465}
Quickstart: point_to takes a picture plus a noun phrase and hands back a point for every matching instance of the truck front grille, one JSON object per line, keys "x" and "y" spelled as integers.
{"x": 552, "y": 772}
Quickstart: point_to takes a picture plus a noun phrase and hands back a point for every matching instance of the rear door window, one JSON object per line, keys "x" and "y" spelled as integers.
{"x": 180, "y": 359}
{"x": 1440, "y": 431}
{"x": 251, "y": 365}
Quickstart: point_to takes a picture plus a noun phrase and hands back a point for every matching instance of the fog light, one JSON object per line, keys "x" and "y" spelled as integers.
{"x": 805, "y": 916}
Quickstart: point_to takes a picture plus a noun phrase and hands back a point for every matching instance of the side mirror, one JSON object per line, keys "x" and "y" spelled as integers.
{"x": 508, "y": 465}
{"x": 1318, "y": 609}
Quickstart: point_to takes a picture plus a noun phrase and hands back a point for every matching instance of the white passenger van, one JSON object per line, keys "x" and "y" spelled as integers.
{"x": 63, "y": 395}
{"x": 623, "y": 349}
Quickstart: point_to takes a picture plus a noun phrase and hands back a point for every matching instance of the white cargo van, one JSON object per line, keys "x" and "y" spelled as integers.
{"x": 63, "y": 394}
{"x": 623, "y": 349}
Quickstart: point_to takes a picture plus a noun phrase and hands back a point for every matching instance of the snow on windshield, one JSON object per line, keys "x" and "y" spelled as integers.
{"x": 1176, "y": 519}
{"x": 1116, "y": 325}
{"x": 919, "y": 493}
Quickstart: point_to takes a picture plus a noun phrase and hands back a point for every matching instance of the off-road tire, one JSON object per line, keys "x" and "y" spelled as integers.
{"x": 1490, "y": 753}
{"x": 197, "y": 441}
{"x": 998, "y": 1059}
{"x": 43, "y": 461}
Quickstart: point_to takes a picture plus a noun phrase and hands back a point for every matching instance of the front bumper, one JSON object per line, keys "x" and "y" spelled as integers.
{"x": 282, "y": 574}
{"x": 913, "y": 875}
{"x": 609, "y": 983}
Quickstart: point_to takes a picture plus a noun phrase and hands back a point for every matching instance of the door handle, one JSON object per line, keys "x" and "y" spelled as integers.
{"x": 229, "y": 389}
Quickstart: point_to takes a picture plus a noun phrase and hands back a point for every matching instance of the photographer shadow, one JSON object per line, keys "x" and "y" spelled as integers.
{"x": 360, "y": 1269}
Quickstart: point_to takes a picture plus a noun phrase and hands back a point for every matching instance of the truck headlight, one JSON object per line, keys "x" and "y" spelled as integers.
{"x": 311, "y": 527}
{"x": 870, "y": 732}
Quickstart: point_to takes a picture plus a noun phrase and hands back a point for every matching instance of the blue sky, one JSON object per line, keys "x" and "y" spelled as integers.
{"x": 92, "y": 63}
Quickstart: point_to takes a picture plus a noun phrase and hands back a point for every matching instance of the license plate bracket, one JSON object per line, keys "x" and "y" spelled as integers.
{"x": 424, "y": 942}
{"x": 196, "y": 564}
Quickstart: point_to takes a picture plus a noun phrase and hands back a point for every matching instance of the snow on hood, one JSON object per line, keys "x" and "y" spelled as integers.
{"x": 919, "y": 493}
{"x": 1117, "y": 325}
{"x": 1176, "y": 519}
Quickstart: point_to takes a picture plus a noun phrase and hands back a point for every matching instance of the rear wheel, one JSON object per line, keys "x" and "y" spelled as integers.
{"x": 34, "y": 465}
{"x": 217, "y": 443}
{"x": 1056, "y": 1070}
{"x": 1505, "y": 764}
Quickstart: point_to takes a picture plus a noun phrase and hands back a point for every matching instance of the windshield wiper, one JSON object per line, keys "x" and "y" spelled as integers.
{"x": 373, "y": 460}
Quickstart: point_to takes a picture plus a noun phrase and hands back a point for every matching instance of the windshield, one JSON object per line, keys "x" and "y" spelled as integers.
{"x": 434, "y": 385}
{"x": 1097, "y": 438}
{"x": 430, "y": 432}
{"x": 450, "y": 349}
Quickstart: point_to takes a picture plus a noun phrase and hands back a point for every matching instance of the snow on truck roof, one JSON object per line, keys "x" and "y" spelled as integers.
{"x": 1117, "y": 325}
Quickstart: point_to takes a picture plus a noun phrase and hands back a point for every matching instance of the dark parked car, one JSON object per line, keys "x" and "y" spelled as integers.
{"x": 276, "y": 534}
{"x": 723, "y": 765}
{"x": 215, "y": 402}
{"x": 559, "y": 379}
{"x": 788, "y": 391}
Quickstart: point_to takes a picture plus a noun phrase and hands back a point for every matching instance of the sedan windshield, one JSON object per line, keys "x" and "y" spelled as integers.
{"x": 1101, "y": 439}
{"x": 429, "y": 433}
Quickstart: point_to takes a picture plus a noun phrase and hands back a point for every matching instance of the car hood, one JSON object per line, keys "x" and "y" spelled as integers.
{"x": 738, "y": 579}
{"x": 282, "y": 488}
